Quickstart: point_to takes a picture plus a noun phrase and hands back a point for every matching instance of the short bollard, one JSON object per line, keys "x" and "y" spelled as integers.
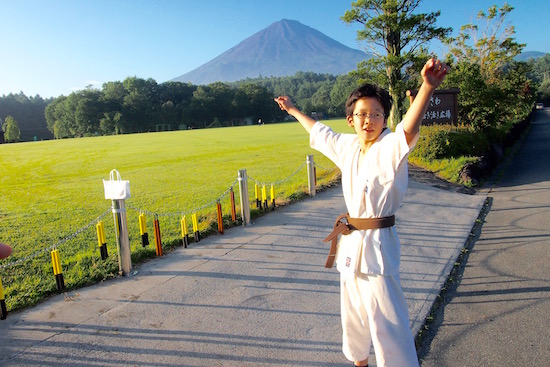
{"x": 158, "y": 240}
{"x": 264, "y": 197}
{"x": 118, "y": 190}
{"x": 143, "y": 230}
{"x": 3, "y": 308}
{"x": 220, "y": 217}
{"x": 311, "y": 174}
{"x": 242, "y": 179}
{"x": 102, "y": 243}
{"x": 272, "y": 193}
{"x": 184, "y": 232}
{"x": 196, "y": 228}
{"x": 57, "y": 271}
{"x": 233, "y": 209}
{"x": 257, "y": 195}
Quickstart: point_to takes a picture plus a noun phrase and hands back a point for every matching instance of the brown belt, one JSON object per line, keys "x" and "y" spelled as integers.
{"x": 352, "y": 224}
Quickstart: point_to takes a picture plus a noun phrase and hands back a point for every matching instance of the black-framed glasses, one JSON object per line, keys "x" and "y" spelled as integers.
{"x": 371, "y": 116}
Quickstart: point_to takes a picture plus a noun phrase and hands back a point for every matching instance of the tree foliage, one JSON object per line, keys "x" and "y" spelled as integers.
{"x": 397, "y": 38}
{"x": 141, "y": 105}
{"x": 312, "y": 92}
{"x": 494, "y": 89}
{"x": 488, "y": 43}
{"x": 11, "y": 130}
{"x": 540, "y": 74}
{"x": 29, "y": 114}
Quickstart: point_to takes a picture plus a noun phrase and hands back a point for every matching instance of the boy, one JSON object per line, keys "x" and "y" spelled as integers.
{"x": 374, "y": 180}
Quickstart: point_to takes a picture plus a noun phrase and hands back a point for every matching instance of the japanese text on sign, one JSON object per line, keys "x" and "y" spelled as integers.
{"x": 443, "y": 107}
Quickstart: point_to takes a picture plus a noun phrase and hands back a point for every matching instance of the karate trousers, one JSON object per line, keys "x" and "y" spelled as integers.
{"x": 374, "y": 311}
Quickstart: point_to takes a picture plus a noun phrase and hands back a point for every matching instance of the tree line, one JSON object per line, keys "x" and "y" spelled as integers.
{"x": 143, "y": 105}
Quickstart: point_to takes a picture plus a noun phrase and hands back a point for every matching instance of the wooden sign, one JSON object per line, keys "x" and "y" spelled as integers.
{"x": 443, "y": 108}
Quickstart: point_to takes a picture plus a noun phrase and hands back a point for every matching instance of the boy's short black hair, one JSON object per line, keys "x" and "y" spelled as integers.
{"x": 371, "y": 91}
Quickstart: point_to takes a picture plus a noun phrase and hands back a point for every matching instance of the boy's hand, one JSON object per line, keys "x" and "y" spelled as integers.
{"x": 434, "y": 72}
{"x": 284, "y": 103}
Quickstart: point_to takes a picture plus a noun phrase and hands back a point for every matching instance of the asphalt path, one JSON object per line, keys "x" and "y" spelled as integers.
{"x": 499, "y": 312}
{"x": 257, "y": 295}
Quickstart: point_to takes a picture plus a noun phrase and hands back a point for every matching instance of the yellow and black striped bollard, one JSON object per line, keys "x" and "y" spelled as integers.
{"x": 3, "y": 308}
{"x": 272, "y": 197}
{"x": 196, "y": 228}
{"x": 184, "y": 232}
{"x": 257, "y": 194}
{"x": 102, "y": 243}
{"x": 143, "y": 230}
{"x": 264, "y": 197}
{"x": 57, "y": 271}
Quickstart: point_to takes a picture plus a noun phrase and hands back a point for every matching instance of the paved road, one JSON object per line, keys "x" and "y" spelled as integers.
{"x": 255, "y": 296}
{"x": 499, "y": 315}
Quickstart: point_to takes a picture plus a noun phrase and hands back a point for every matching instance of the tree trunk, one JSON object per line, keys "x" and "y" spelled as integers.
{"x": 396, "y": 92}
{"x": 393, "y": 71}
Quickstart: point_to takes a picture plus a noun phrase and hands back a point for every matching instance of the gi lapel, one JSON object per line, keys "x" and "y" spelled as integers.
{"x": 368, "y": 166}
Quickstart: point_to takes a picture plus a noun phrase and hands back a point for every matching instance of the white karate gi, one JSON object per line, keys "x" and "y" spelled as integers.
{"x": 372, "y": 301}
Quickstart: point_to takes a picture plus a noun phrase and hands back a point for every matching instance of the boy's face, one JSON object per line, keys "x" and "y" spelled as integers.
{"x": 368, "y": 119}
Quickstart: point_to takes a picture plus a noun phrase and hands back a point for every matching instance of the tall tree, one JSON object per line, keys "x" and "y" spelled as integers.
{"x": 140, "y": 104}
{"x": 489, "y": 42}
{"x": 494, "y": 88}
{"x": 397, "y": 38}
{"x": 88, "y": 112}
{"x": 11, "y": 130}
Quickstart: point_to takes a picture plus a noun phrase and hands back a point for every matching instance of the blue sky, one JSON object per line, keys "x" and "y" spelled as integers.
{"x": 54, "y": 47}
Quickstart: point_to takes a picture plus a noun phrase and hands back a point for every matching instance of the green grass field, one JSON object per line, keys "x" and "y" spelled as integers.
{"x": 52, "y": 193}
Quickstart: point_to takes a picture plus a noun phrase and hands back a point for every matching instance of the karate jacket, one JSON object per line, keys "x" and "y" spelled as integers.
{"x": 374, "y": 190}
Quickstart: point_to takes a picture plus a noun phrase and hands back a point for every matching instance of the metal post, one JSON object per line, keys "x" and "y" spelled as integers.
{"x": 310, "y": 174}
{"x": 122, "y": 241}
{"x": 243, "y": 190}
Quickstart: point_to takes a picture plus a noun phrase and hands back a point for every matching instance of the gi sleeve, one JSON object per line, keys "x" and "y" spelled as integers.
{"x": 403, "y": 148}
{"x": 389, "y": 160}
{"x": 333, "y": 145}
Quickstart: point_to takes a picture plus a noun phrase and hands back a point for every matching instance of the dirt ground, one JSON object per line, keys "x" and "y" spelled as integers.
{"x": 422, "y": 175}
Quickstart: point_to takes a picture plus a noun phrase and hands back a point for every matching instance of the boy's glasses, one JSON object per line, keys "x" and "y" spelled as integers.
{"x": 371, "y": 116}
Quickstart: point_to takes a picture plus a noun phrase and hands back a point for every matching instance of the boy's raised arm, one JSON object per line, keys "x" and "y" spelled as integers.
{"x": 286, "y": 104}
{"x": 433, "y": 73}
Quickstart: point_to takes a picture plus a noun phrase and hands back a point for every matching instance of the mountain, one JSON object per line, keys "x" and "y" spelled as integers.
{"x": 524, "y": 56}
{"x": 282, "y": 49}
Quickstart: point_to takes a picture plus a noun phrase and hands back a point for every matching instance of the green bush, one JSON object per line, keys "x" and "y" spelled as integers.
{"x": 446, "y": 141}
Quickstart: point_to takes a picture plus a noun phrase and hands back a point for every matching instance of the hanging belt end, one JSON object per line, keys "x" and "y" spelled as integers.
{"x": 330, "y": 261}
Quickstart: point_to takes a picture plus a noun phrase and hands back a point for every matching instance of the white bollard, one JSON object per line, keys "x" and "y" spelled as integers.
{"x": 243, "y": 193}
{"x": 122, "y": 240}
{"x": 118, "y": 190}
{"x": 310, "y": 174}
